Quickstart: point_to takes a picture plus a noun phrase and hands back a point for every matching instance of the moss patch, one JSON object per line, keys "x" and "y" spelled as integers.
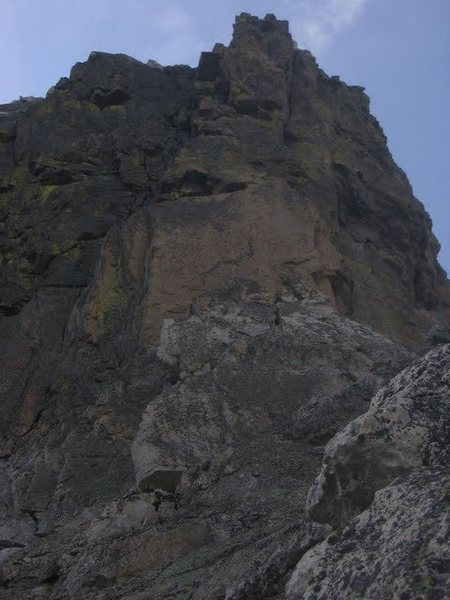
{"x": 107, "y": 299}
{"x": 46, "y": 191}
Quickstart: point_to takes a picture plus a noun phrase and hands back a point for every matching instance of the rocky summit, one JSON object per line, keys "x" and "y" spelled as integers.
{"x": 225, "y": 338}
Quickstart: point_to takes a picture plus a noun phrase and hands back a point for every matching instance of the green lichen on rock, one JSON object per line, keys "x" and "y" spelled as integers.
{"x": 46, "y": 191}
{"x": 26, "y": 278}
{"x": 74, "y": 105}
{"x": 73, "y": 254}
{"x": 107, "y": 299}
{"x": 133, "y": 171}
{"x": 205, "y": 274}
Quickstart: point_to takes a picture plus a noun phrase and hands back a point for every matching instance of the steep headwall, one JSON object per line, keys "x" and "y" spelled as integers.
{"x": 216, "y": 267}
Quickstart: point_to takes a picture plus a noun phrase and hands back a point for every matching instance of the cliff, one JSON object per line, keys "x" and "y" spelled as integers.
{"x": 205, "y": 275}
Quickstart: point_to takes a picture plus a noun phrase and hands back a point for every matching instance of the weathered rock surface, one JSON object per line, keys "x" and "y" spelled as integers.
{"x": 205, "y": 274}
{"x": 400, "y": 546}
{"x": 224, "y": 456}
{"x": 397, "y": 549}
{"x": 249, "y": 373}
{"x": 406, "y": 426}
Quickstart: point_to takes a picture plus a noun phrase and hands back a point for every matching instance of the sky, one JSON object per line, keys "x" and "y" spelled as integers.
{"x": 399, "y": 50}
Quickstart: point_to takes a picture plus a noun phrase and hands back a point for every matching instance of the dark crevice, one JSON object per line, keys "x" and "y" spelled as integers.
{"x": 51, "y": 579}
{"x": 33, "y": 425}
{"x": 32, "y": 513}
{"x": 342, "y": 286}
{"x": 103, "y": 97}
{"x": 277, "y": 319}
{"x": 9, "y": 311}
{"x": 10, "y": 544}
{"x": 198, "y": 183}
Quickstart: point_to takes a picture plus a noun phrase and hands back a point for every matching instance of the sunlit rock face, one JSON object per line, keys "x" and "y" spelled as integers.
{"x": 205, "y": 275}
{"x": 384, "y": 485}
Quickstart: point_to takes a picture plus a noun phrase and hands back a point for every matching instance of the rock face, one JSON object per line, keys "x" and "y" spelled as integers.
{"x": 406, "y": 426}
{"x": 223, "y": 456}
{"x": 205, "y": 275}
{"x": 400, "y": 546}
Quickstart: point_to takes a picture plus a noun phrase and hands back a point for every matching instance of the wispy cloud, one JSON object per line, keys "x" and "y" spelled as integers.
{"x": 35, "y": 51}
{"x": 315, "y": 23}
{"x": 179, "y": 32}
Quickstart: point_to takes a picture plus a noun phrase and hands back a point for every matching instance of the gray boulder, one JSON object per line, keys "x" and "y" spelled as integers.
{"x": 398, "y": 549}
{"x": 406, "y": 426}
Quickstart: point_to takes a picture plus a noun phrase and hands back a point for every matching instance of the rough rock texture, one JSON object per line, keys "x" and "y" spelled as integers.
{"x": 235, "y": 364}
{"x": 224, "y": 456}
{"x": 205, "y": 274}
{"x": 406, "y": 426}
{"x": 400, "y": 546}
{"x": 398, "y": 549}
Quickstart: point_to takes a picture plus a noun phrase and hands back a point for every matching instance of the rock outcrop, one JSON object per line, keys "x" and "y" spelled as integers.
{"x": 399, "y": 547}
{"x": 205, "y": 275}
{"x": 223, "y": 457}
{"x": 406, "y": 426}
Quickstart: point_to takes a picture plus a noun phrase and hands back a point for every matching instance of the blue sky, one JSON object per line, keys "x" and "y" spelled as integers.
{"x": 398, "y": 49}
